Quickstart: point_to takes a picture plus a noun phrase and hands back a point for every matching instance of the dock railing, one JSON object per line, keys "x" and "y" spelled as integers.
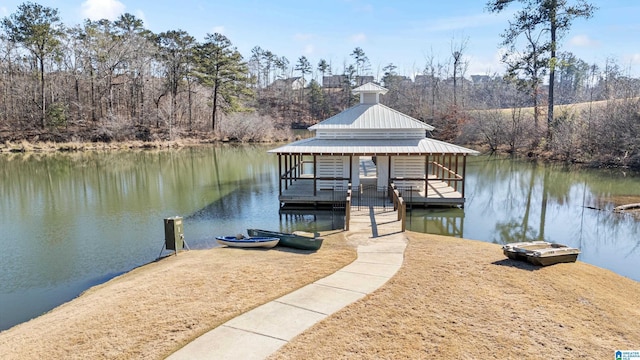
{"x": 347, "y": 209}
{"x": 399, "y": 205}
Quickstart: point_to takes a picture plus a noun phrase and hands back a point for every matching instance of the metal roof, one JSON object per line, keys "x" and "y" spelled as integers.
{"x": 370, "y": 88}
{"x": 314, "y": 146}
{"x": 371, "y": 116}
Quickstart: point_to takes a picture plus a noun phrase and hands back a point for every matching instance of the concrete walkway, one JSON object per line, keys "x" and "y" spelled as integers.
{"x": 263, "y": 330}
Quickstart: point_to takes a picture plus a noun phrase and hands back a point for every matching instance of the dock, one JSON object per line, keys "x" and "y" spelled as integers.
{"x": 303, "y": 192}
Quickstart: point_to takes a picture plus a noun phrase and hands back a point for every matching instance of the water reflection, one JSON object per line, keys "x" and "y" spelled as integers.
{"x": 511, "y": 201}
{"x": 439, "y": 221}
{"x": 70, "y": 221}
{"x": 311, "y": 220}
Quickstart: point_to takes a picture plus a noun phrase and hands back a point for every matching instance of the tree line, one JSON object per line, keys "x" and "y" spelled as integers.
{"x": 116, "y": 80}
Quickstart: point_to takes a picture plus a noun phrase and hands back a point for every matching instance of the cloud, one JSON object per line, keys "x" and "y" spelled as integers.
{"x": 358, "y": 38}
{"x": 583, "y": 41}
{"x": 218, "y": 29}
{"x": 302, "y": 37}
{"x": 360, "y": 6}
{"x": 465, "y": 22}
{"x": 634, "y": 59}
{"x": 102, "y": 9}
{"x": 309, "y": 49}
{"x": 364, "y": 8}
{"x": 140, "y": 15}
{"x": 486, "y": 66}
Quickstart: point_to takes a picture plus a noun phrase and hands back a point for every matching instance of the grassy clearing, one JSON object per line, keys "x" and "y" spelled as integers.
{"x": 153, "y": 310}
{"x": 463, "y": 299}
{"x": 452, "y": 298}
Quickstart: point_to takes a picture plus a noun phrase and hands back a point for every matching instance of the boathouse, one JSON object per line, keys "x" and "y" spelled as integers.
{"x": 371, "y": 146}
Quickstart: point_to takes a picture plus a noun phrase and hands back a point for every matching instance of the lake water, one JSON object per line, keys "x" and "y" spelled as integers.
{"x": 71, "y": 221}
{"x": 510, "y": 201}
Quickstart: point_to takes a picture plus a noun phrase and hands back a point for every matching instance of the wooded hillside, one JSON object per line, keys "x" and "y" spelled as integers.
{"x": 105, "y": 81}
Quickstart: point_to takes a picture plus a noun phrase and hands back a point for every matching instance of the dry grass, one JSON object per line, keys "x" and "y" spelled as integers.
{"x": 452, "y": 298}
{"x": 563, "y": 108}
{"x": 151, "y": 311}
{"x": 461, "y": 299}
{"x": 50, "y": 147}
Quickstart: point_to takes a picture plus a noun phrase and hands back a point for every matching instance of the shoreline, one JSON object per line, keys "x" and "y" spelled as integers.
{"x": 41, "y": 147}
{"x": 24, "y": 147}
{"x": 451, "y": 297}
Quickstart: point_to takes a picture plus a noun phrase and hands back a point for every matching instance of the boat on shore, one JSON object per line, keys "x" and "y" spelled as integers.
{"x": 248, "y": 242}
{"x": 294, "y": 240}
{"x": 541, "y": 253}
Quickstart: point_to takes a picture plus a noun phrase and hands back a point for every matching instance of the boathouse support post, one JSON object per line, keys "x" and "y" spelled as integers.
{"x": 351, "y": 169}
{"x": 464, "y": 174}
{"x": 347, "y": 210}
{"x": 457, "y": 172}
{"x": 315, "y": 175}
{"x": 286, "y": 174}
{"x": 291, "y": 168}
{"x": 279, "y": 175}
{"x": 389, "y": 168}
{"x": 426, "y": 173}
{"x": 448, "y": 163}
{"x": 429, "y": 172}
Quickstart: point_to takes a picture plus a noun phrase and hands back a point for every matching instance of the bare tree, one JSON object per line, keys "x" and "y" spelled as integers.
{"x": 176, "y": 52}
{"x": 526, "y": 69}
{"x": 362, "y": 62}
{"x": 459, "y": 65}
{"x": 39, "y": 30}
{"x": 304, "y": 66}
{"x": 555, "y": 16}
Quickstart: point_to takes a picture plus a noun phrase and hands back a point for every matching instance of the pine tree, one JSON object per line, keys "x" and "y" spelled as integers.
{"x": 220, "y": 67}
{"x": 39, "y": 30}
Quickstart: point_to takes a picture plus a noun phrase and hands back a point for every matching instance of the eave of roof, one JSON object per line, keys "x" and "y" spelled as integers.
{"x": 370, "y": 88}
{"x": 426, "y": 146}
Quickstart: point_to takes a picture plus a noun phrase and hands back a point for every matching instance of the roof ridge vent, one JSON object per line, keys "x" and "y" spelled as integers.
{"x": 369, "y": 93}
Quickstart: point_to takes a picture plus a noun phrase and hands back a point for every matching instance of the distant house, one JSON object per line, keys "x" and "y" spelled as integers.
{"x": 338, "y": 81}
{"x": 429, "y": 171}
{"x": 480, "y": 79}
{"x": 361, "y": 80}
{"x": 424, "y": 80}
{"x": 294, "y": 83}
{"x": 333, "y": 81}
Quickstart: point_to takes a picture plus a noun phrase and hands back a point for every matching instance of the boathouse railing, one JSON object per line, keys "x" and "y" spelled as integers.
{"x": 399, "y": 205}
{"x": 347, "y": 209}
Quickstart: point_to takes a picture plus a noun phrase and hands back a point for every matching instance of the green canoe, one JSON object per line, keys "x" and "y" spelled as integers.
{"x": 296, "y": 241}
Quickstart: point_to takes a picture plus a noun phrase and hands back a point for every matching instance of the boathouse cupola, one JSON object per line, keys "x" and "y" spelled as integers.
{"x": 370, "y": 93}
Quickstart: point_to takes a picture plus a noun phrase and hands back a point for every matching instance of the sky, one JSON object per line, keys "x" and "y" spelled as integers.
{"x": 402, "y": 32}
